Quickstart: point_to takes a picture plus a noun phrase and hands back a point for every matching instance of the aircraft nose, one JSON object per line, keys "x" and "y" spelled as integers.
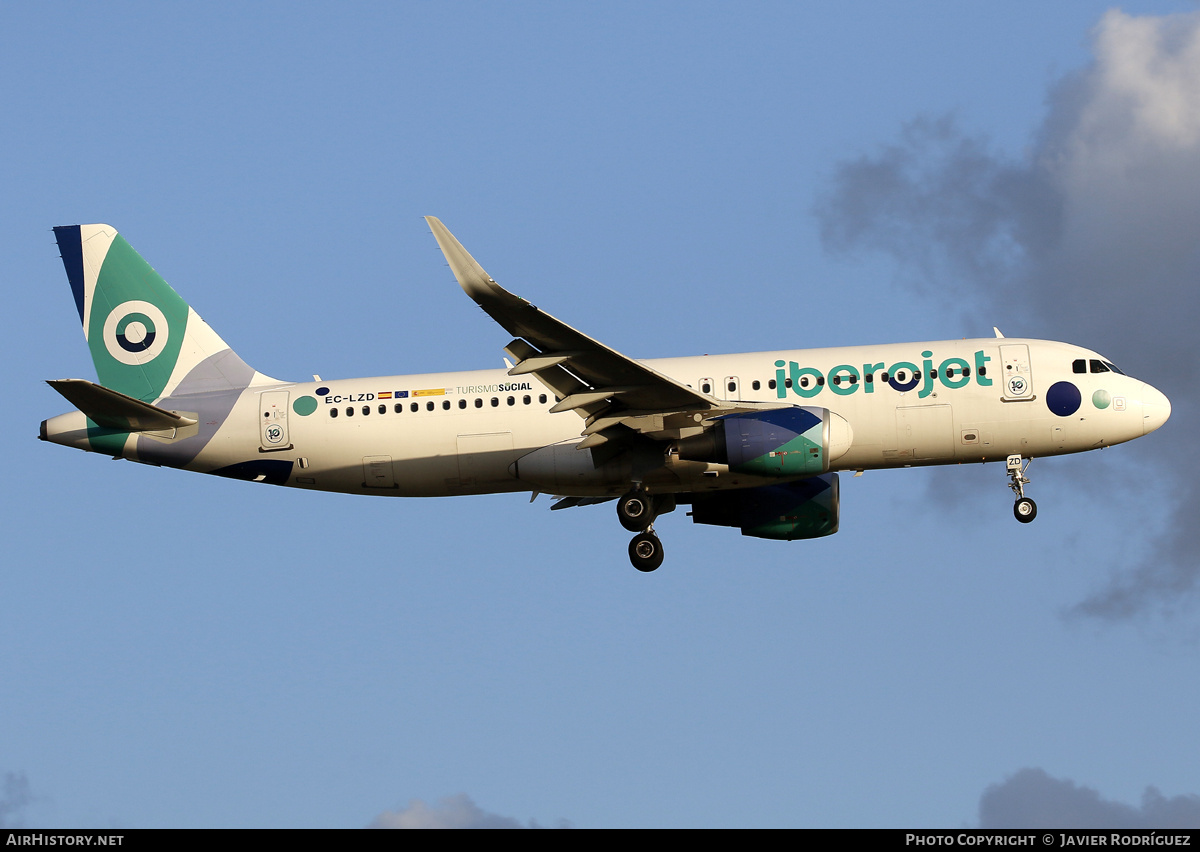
{"x": 1156, "y": 408}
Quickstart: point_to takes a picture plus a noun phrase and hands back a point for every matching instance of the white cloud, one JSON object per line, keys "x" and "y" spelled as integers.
{"x": 450, "y": 812}
{"x": 1032, "y": 799}
{"x": 14, "y": 799}
{"x": 1093, "y": 236}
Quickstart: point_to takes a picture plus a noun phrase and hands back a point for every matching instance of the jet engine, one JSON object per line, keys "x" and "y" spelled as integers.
{"x": 793, "y": 441}
{"x": 788, "y": 511}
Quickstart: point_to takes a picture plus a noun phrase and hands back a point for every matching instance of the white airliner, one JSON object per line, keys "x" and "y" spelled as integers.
{"x": 752, "y": 441}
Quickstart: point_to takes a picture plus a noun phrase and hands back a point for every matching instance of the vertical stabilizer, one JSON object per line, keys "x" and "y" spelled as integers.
{"x": 146, "y": 342}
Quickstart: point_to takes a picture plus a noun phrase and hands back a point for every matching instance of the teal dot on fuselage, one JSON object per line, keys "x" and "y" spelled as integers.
{"x": 304, "y": 405}
{"x": 1101, "y": 399}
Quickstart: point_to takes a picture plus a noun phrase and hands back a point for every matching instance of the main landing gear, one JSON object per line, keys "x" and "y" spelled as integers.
{"x": 1024, "y": 509}
{"x": 637, "y": 511}
{"x": 645, "y": 551}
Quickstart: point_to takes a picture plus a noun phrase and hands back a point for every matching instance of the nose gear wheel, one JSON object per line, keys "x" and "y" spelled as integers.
{"x": 1024, "y": 509}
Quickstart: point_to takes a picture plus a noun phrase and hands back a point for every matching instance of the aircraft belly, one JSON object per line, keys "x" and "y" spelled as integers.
{"x": 441, "y": 456}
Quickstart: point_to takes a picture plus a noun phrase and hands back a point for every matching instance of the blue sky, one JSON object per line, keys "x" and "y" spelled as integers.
{"x": 673, "y": 179}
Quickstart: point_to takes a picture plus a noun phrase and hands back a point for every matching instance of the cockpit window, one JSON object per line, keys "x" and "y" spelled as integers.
{"x": 1098, "y": 366}
{"x": 1079, "y": 365}
{"x": 1113, "y": 367}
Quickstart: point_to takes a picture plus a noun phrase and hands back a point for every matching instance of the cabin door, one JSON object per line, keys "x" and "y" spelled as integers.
{"x": 273, "y": 421}
{"x": 1018, "y": 374}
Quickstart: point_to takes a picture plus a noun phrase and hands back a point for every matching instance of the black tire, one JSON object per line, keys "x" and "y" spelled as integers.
{"x": 636, "y": 511}
{"x": 1024, "y": 510}
{"x": 645, "y": 552}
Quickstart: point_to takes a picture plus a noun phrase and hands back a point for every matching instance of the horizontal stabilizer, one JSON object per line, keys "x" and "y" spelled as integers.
{"x": 114, "y": 410}
{"x": 572, "y": 502}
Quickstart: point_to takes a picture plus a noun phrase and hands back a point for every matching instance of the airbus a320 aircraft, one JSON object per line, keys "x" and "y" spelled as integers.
{"x": 753, "y": 441}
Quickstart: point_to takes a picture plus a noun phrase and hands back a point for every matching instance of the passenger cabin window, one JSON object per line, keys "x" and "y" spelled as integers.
{"x": 429, "y": 405}
{"x": 479, "y": 402}
{"x": 333, "y": 412}
{"x": 415, "y": 407}
{"x": 445, "y": 405}
{"x": 462, "y": 403}
{"x": 756, "y": 384}
{"x": 383, "y": 409}
{"x": 542, "y": 398}
{"x": 399, "y": 407}
{"x": 706, "y": 388}
{"x": 771, "y": 384}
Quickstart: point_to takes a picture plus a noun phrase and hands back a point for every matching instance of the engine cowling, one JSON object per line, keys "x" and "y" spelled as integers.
{"x": 809, "y": 508}
{"x": 792, "y": 441}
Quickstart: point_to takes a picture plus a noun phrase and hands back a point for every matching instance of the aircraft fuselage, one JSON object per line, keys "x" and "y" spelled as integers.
{"x": 443, "y": 434}
{"x": 753, "y": 441}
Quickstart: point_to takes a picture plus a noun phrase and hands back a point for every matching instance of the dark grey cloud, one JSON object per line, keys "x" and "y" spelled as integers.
{"x": 1091, "y": 236}
{"x": 1032, "y": 799}
{"x": 451, "y": 812}
{"x": 14, "y": 799}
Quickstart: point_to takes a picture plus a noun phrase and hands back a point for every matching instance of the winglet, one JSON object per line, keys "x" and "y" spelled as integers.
{"x": 471, "y": 276}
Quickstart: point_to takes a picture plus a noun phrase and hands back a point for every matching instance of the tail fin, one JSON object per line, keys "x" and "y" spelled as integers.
{"x": 146, "y": 342}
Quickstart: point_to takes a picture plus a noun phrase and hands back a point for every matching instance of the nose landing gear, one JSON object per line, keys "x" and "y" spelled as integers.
{"x": 1024, "y": 509}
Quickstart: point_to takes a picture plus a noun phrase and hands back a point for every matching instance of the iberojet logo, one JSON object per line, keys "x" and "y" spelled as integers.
{"x": 845, "y": 379}
{"x": 135, "y": 332}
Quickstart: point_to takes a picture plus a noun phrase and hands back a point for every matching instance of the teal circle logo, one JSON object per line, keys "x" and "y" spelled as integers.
{"x": 304, "y": 406}
{"x": 1101, "y": 399}
{"x": 135, "y": 332}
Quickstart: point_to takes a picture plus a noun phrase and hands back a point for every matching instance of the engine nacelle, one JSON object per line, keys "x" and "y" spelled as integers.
{"x": 793, "y": 441}
{"x": 809, "y": 508}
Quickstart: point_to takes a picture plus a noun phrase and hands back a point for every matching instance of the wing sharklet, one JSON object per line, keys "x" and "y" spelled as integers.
{"x": 586, "y": 382}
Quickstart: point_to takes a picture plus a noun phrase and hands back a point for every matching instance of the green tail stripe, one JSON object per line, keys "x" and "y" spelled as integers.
{"x": 132, "y": 354}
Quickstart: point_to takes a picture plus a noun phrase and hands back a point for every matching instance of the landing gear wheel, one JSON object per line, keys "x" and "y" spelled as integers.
{"x": 645, "y": 551}
{"x": 1024, "y": 509}
{"x": 636, "y": 511}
